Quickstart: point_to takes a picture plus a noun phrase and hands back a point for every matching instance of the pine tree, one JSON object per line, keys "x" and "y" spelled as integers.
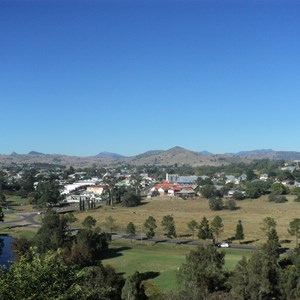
{"x": 133, "y": 288}
{"x": 1, "y": 215}
{"x": 150, "y": 225}
{"x": 239, "y": 232}
{"x": 169, "y": 226}
{"x": 192, "y": 225}
{"x": 217, "y": 226}
{"x": 294, "y": 229}
{"x": 130, "y": 229}
{"x": 204, "y": 232}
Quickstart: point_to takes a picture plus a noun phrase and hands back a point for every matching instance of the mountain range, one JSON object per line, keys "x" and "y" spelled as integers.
{"x": 175, "y": 155}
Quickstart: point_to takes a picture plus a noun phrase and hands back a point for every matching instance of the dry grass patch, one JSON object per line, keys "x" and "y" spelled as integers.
{"x": 251, "y": 212}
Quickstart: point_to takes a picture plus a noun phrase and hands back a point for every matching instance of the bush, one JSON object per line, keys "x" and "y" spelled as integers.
{"x": 280, "y": 199}
{"x": 237, "y": 195}
{"x": 231, "y": 204}
{"x": 297, "y": 199}
{"x": 131, "y": 200}
{"x": 274, "y": 197}
{"x": 216, "y": 203}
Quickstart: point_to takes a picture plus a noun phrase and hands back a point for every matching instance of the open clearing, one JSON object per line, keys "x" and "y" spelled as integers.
{"x": 251, "y": 212}
{"x": 162, "y": 260}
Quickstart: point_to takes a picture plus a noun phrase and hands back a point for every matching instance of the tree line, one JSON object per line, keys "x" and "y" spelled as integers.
{"x": 206, "y": 230}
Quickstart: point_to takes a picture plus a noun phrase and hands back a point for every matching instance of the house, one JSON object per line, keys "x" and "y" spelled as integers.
{"x": 166, "y": 189}
{"x": 264, "y": 177}
{"x": 243, "y": 177}
{"x": 231, "y": 179}
{"x": 182, "y": 180}
{"x": 186, "y": 194}
{"x": 96, "y": 189}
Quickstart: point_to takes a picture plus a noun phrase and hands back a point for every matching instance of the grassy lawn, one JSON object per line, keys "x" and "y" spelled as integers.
{"x": 162, "y": 259}
{"x": 18, "y": 232}
{"x": 18, "y": 204}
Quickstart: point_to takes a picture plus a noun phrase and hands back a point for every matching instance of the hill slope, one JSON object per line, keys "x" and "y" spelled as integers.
{"x": 175, "y": 155}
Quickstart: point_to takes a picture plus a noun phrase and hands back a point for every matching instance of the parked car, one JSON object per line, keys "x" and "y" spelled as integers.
{"x": 223, "y": 245}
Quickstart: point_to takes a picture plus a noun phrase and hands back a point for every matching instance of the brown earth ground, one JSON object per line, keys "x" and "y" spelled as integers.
{"x": 250, "y": 212}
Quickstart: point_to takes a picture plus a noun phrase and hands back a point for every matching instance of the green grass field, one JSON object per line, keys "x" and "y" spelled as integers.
{"x": 164, "y": 259}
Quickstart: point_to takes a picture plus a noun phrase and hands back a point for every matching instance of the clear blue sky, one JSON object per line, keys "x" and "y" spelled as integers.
{"x": 81, "y": 77}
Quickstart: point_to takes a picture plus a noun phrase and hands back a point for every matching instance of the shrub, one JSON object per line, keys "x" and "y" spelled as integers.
{"x": 231, "y": 204}
{"x": 274, "y": 197}
{"x": 237, "y": 195}
{"x": 297, "y": 199}
{"x": 131, "y": 200}
{"x": 280, "y": 199}
{"x": 216, "y": 203}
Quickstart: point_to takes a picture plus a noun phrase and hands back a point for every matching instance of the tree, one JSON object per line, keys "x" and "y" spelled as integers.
{"x": 239, "y": 280}
{"x": 204, "y": 231}
{"x": 231, "y": 204}
{"x": 239, "y": 231}
{"x": 48, "y": 276}
{"x": 208, "y": 191}
{"x": 20, "y": 247}
{"x": 36, "y": 276}
{"x": 258, "y": 277}
{"x": 267, "y": 224}
{"x": 131, "y": 200}
{"x": 48, "y": 193}
{"x": 135, "y": 183}
{"x": 70, "y": 218}
{"x": 3, "y": 201}
{"x": 217, "y": 226}
{"x": 250, "y": 174}
{"x": 279, "y": 189}
{"x": 290, "y": 277}
{"x": 294, "y": 229}
{"x": 256, "y": 188}
{"x": 1, "y": 215}
{"x": 110, "y": 223}
{"x": 150, "y": 225}
{"x": 130, "y": 229}
{"x": 269, "y": 228}
{"x": 237, "y": 195}
{"x": 273, "y": 237}
{"x": 263, "y": 275}
{"x": 52, "y": 234}
{"x": 202, "y": 273}
{"x": 89, "y": 222}
{"x": 169, "y": 226}
{"x": 110, "y": 186}
{"x": 133, "y": 288}
{"x": 192, "y": 226}
{"x": 99, "y": 282}
{"x": 216, "y": 203}
{"x": 88, "y": 248}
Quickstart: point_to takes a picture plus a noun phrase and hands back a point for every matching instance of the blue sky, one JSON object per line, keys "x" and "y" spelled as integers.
{"x": 81, "y": 77}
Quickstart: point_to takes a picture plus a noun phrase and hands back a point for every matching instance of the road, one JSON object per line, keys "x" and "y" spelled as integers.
{"x": 26, "y": 219}
{"x": 178, "y": 242}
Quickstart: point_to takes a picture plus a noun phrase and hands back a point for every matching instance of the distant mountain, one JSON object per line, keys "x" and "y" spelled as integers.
{"x": 174, "y": 156}
{"x": 106, "y": 154}
{"x": 205, "y": 153}
{"x": 253, "y": 152}
{"x": 35, "y": 153}
{"x": 269, "y": 154}
{"x": 178, "y": 155}
{"x": 148, "y": 153}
